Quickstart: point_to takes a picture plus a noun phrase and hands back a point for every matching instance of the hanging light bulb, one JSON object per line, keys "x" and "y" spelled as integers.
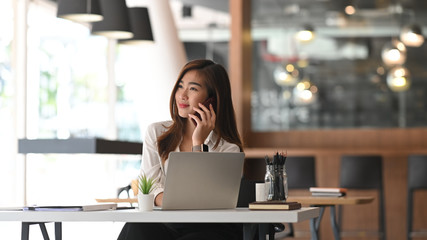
{"x": 305, "y": 92}
{"x": 306, "y": 34}
{"x": 412, "y": 35}
{"x": 398, "y": 79}
{"x": 286, "y": 75}
{"x": 394, "y": 53}
{"x": 350, "y": 9}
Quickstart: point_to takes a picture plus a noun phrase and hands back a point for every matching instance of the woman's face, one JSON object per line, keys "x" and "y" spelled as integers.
{"x": 191, "y": 91}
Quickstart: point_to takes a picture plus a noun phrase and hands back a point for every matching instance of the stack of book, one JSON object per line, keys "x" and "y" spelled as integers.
{"x": 328, "y": 192}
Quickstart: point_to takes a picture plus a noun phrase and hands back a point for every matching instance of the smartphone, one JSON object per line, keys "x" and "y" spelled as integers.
{"x": 211, "y": 100}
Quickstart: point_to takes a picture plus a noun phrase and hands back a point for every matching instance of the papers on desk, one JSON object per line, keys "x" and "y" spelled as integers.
{"x": 10, "y": 208}
{"x": 328, "y": 192}
{"x": 92, "y": 207}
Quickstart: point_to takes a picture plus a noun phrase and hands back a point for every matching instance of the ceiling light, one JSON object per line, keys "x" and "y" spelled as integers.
{"x": 306, "y": 34}
{"x": 412, "y": 35}
{"x": 305, "y": 92}
{"x": 116, "y": 20}
{"x": 394, "y": 53}
{"x": 286, "y": 75}
{"x": 350, "y": 10}
{"x": 398, "y": 79}
{"x": 141, "y": 27}
{"x": 80, "y": 10}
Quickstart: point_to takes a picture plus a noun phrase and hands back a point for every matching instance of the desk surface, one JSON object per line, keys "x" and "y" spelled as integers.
{"x": 331, "y": 200}
{"x": 239, "y": 215}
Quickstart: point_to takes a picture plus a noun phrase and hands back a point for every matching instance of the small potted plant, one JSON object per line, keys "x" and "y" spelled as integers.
{"x": 146, "y": 186}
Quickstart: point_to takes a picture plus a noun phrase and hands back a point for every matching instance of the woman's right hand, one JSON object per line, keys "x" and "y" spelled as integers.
{"x": 204, "y": 125}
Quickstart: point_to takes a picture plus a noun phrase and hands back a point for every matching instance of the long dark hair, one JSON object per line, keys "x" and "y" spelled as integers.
{"x": 218, "y": 85}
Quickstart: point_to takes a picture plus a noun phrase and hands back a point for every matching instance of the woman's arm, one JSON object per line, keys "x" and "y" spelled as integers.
{"x": 151, "y": 162}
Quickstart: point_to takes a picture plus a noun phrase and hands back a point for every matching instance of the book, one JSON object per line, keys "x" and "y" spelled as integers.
{"x": 328, "y": 189}
{"x": 328, "y": 194}
{"x": 92, "y": 207}
{"x": 274, "y": 205}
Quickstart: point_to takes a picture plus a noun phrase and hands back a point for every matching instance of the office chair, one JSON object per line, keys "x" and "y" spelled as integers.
{"x": 417, "y": 180}
{"x": 246, "y": 196}
{"x": 125, "y": 189}
{"x": 133, "y": 186}
{"x": 301, "y": 172}
{"x": 364, "y": 172}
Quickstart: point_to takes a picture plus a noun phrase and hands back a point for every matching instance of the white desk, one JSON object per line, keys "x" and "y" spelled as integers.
{"x": 249, "y": 218}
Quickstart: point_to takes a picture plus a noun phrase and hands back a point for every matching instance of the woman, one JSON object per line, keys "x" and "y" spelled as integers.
{"x": 213, "y": 130}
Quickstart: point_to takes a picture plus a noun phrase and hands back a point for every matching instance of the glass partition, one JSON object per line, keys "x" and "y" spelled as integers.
{"x": 341, "y": 78}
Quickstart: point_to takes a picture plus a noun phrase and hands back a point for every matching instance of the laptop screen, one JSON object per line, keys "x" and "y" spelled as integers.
{"x": 203, "y": 180}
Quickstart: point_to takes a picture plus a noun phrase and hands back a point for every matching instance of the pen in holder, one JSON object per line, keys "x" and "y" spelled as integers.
{"x": 276, "y": 181}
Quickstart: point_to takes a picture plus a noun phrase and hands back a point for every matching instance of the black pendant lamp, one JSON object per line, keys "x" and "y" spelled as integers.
{"x": 140, "y": 25}
{"x": 80, "y": 10}
{"x": 116, "y": 20}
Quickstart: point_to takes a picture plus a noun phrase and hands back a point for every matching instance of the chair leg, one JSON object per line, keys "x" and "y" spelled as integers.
{"x": 381, "y": 216}
{"x": 334, "y": 224}
{"x": 409, "y": 215}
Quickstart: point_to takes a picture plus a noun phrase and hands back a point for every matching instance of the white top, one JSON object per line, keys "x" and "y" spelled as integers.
{"x": 152, "y": 163}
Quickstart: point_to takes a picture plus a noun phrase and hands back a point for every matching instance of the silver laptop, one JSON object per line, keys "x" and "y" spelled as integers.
{"x": 202, "y": 180}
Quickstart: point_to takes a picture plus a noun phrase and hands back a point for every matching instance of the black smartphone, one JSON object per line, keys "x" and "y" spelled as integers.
{"x": 211, "y": 100}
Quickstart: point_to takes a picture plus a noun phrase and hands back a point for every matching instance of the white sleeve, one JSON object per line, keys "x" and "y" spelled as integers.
{"x": 151, "y": 162}
{"x": 224, "y": 146}
{"x": 229, "y": 147}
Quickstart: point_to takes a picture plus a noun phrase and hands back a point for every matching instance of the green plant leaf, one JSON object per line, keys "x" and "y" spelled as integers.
{"x": 145, "y": 184}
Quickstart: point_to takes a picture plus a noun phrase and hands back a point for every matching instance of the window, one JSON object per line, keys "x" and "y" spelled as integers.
{"x": 7, "y": 133}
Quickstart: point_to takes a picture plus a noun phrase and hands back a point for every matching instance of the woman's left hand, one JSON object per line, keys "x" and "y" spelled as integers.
{"x": 204, "y": 125}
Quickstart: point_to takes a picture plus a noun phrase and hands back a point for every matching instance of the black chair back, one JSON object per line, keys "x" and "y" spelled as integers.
{"x": 364, "y": 172}
{"x": 417, "y": 179}
{"x": 301, "y": 172}
{"x": 247, "y": 192}
{"x": 361, "y": 172}
{"x": 417, "y": 169}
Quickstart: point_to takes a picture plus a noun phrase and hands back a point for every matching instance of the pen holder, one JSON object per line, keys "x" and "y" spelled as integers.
{"x": 276, "y": 180}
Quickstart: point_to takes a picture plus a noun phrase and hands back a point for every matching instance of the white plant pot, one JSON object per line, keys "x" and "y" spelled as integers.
{"x": 145, "y": 202}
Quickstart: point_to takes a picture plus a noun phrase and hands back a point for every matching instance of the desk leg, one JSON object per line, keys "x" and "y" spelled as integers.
{"x": 249, "y": 230}
{"x": 315, "y": 223}
{"x": 58, "y": 230}
{"x": 44, "y": 231}
{"x": 25, "y": 231}
{"x": 334, "y": 224}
